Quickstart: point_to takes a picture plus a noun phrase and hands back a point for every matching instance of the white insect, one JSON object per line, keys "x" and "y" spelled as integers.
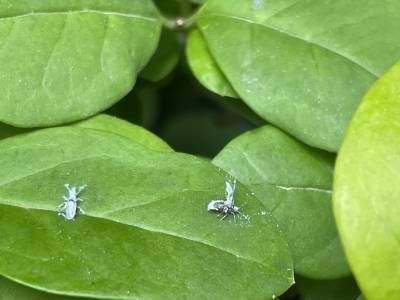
{"x": 227, "y": 206}
{"x": 68, "y": 208}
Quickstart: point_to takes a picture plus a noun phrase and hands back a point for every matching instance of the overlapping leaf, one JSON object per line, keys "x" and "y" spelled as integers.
{"x": 208, "y": 73}
{"x": 131, "y": 131}
{"x": 294, "y": 182}
{"x": 367, "y": 191}
{"x": 205, "y": 68}
{"x": 302, "y": 65}
{"x": 109, "y": 124}
{"x": 62, "y": 61}
{"x": 146, "y": 232}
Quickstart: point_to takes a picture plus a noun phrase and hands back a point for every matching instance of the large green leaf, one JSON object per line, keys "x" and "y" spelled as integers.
{"x": 338, "y": 289}
{"x": 367, "y": 190}
{"x": 110, "y": 124}
{"x": 302, "y": 64}
{"x": 294, "y": 182}
{"x": 131, "y": 131}
{"x": 62, "y": 61}
{"x": 146, "y": 233}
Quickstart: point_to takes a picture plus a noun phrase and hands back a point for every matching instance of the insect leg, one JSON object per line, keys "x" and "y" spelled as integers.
{"x": 67, "y": 187}
{"x": 246, "y": 217}
{"x": 223, "y": 217}
{"x": 81, "y": 188}
{"x": 62, "y": 206}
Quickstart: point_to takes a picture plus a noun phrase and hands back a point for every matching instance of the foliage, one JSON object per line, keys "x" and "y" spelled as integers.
{"x": 368, "y": 217}
{"x": 262, "y": 93}
{"x": 293, "y": 181}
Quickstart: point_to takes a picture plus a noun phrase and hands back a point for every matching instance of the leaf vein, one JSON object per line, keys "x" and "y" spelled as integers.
{"x": 110, "y": 13}
{"x": 296, "y": 36}
{"x": 147, "y": 228}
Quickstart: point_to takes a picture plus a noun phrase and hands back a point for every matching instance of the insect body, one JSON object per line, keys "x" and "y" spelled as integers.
{"x": 227, "y": 206}
{"x": 68, "y": 208}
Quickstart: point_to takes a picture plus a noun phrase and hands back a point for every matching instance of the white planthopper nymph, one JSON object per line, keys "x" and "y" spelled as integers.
{"x": 69, "y": 207}
{"x": 227, "y": 206}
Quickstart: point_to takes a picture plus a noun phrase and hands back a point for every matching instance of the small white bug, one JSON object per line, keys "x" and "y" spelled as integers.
{"x": 68, "y": 208}
{"x": 227, "y": 206}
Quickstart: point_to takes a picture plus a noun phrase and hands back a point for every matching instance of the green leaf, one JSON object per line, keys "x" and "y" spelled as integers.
{"x": 10, "y": 290}
{"x": 205, "y": 68}
{"x": 294, "y": 182}
{"x": 164, "y": 59}
{"x": 367, "y": 191}
{"x": 302, "y": 65}
{"x": 146, "y": 233}
{"x": 131, "y": 131}
{"x": 62, "y": 61}
{"x": 109, "y": 124}
{"x": 338, "y": 289}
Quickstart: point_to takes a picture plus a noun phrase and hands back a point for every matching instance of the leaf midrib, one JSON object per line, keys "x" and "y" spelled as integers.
{"x": 150, "y": 229}
{"x": 295, "y": 36}
{"x": 286, "y": 187}
{"x": 93, "y": 11}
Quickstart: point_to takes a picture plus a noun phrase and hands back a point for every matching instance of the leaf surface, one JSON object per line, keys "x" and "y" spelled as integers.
{"x": 146, "y": 233}
{"x": 293, "y": 181}
{"x": 367, "y": 193}
{"x": 131, "y": 131}
{"x": 303, "y": 65}
{"x": 62, "y": 61}
{"x": 205, "y": 68}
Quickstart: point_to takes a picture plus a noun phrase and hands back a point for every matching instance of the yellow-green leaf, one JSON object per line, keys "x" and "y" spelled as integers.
{"x": 367, "y": 190}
